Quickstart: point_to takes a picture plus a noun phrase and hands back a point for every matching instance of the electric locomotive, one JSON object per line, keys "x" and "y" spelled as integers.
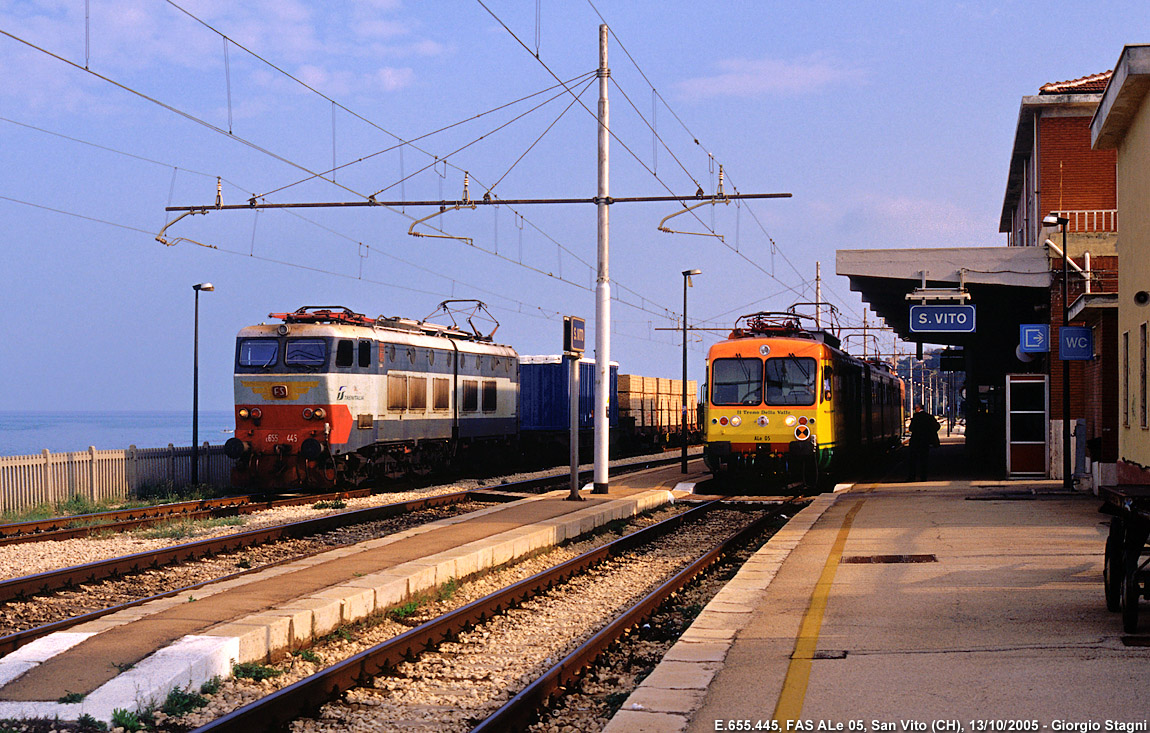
{"x": 788, "y": 403}
{"x": 328, "y": 396}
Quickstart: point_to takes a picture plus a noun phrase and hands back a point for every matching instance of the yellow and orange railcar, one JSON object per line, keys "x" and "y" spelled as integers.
{"x": 788, "y": 403}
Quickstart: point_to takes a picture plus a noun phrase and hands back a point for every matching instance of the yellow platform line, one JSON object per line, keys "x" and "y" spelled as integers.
{"x": 790, "y": 704}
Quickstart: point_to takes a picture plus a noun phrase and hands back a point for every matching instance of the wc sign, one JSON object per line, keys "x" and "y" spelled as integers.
{"x": 1076, "y": 343}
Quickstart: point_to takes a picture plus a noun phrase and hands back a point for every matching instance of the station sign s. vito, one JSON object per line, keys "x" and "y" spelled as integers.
{"x": 574, "y": 335}
{"x": 942, "y": 319}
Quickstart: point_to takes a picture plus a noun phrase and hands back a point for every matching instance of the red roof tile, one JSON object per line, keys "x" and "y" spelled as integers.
{"x": 1093, "y": 84}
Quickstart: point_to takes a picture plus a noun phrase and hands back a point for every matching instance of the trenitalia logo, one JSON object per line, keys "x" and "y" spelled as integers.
{"x": 343, "y": 396}
{"x": 280, "y": 391}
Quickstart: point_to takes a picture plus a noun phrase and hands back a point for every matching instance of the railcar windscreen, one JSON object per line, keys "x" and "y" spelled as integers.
{"x": 791, "y": 381}
{"x": 306, "y": 352}
{"x": 737, "y": 381}
{"x": 258, "y": 352}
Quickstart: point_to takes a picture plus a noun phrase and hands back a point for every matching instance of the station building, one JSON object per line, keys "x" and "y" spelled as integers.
{"x": 1014, "y": 392}
{"x": 1054, "y": 169}
{"x": 1121, "y": 125}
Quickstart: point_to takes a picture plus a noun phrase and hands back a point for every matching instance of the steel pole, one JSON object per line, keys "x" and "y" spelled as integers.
{"x": 683, "y": 418}
{"x": 1067, "y": 476}
{"x": 603, "y": 283}
{"x": 196, "y": 394}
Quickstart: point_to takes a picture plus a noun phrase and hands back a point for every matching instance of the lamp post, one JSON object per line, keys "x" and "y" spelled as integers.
{"x": 683, "y": 419}
{"x": 1053, "y": 219}
{"x": 196, "y": 385}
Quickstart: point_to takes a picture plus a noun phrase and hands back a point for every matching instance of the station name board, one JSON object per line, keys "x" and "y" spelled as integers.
{"x": 942, "y": 319}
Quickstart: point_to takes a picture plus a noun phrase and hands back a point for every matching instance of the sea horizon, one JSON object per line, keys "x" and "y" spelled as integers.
{"x": 28, "y": 432}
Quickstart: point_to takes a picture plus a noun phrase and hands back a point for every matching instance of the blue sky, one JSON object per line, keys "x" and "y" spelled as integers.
{"x": 891, "y": 123}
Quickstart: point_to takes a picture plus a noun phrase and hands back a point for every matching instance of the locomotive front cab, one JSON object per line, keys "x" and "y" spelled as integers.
{"x": 768, "y": 405}
{"x": 291, "y": 415}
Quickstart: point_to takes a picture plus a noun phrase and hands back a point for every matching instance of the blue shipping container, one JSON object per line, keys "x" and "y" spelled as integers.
{"x": 543, "y": 393}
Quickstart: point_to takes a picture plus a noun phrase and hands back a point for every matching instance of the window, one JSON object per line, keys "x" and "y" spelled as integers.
{"x": 365, "y": 353}
{"x": 259, "y": 352}
{"x": 737, "y": 381}
{"x": 470, "y": 395}
{"x": 490, "y": 392}
{"x": 396, "y": 392}
{"x": 440, "y": 394}
{"x": 344, "y": 353}
{"x": 306, "y": 352}
{"x": 791, "y": 381}
{"x": 1126, "y": 379}
{"x": 1142, "y": 376}
{"x": 417, "y": 393}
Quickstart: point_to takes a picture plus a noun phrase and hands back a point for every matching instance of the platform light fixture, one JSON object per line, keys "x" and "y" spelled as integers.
{"x": 196, "y": 384}
{"x": 1051, "y": 220}
{"x": 687, "y": 274}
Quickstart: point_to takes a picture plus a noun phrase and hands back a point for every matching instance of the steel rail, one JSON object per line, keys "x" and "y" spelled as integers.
{"x": 95, "y": 571}
{"x": 300, "y": 698}
{"x": 61, "y": 528}
{"x": 521, "y": 711}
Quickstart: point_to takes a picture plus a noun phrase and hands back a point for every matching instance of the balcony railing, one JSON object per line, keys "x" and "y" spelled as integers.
{"x": 1097, "y": 220}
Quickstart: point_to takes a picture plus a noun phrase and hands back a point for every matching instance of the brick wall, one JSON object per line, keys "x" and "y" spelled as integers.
{"x": 1073, "y": 177}
{"x": 1093, "y": 384}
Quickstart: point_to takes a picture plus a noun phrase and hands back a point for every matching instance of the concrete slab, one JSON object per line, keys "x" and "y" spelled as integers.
{"x": 630, "y": 721}
{"x": 680, "y": 676}
{"x": 655, "y": 700}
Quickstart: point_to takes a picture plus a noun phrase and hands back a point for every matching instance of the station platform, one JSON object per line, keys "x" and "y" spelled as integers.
{"x": 135, "y": 657}
{"x": 956, "y": 604}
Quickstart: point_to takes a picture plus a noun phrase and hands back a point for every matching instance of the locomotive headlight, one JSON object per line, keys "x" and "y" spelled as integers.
{"x": 736, "y": 421}
{"x": 790, "y": 421}
{"x": 257, "y": 413}
{"x": 319, "y": 413}
{"x": 308, "y": 413}
{"x": 244, "y": 413}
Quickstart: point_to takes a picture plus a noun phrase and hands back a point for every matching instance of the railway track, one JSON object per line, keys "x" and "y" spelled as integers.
{"x": 122, "y": 520}
{"x": 80, "y": 602}
{"x": 130, "y": 589}
{"x": 487, "y": 644}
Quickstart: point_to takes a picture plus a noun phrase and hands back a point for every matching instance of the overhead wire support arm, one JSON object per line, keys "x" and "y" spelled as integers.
{"x": 465, "y": 203}
{"x": 468, "y": 203}
{"x": 719, "y": 196}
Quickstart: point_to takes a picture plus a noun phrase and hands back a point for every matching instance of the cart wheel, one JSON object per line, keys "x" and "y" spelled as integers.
{"x": 1113, "y": 575}
{"x": 1131, "y": 592}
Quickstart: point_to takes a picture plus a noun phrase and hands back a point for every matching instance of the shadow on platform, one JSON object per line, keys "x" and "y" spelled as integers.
{"x": 951, "y": 461}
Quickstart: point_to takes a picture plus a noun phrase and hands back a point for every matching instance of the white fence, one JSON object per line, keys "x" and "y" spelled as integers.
{"x": 48, "y": 478}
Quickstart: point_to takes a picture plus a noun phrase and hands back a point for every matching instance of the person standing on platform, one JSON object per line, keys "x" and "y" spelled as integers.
{"x": 923, "y": 436}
